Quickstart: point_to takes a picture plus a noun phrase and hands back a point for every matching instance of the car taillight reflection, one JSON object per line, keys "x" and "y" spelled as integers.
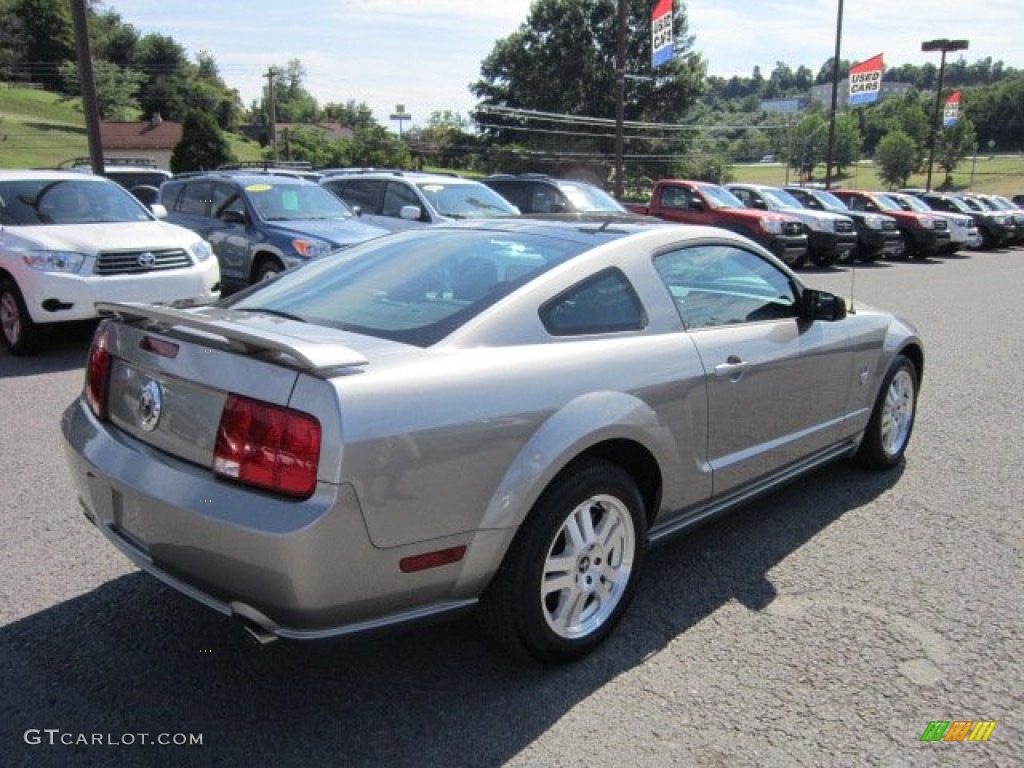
{"x": 267, "y": 446}
{"x": 97, "y": 374}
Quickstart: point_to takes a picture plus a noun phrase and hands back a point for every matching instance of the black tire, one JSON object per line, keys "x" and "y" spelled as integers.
{"x": 267, "y": 269}
{"x": 512, "y": 609}
{"x": 824, "y": 260}
{"x": 20, "y": 335}
{"x": 895, "y": 409}
{"x": 988, "y": 242}
{"x": 909, "y": 247}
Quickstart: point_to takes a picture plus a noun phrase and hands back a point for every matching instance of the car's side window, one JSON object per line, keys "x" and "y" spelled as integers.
{"x": 603, "y": 303}
{"x": 396, "y": 196}
{"x": 366, "y": 193}
{"x": 226, "y": 198}
{"x": 745, "y": 197}
{"x": 196, "y": 198}
{"x": 715, "y": 285}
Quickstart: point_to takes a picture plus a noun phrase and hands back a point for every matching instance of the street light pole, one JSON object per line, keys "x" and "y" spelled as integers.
{"x": 943, "y": 45}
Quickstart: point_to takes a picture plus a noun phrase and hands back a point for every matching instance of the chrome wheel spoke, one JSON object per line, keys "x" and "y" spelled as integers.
{"x": 588, "y": 566}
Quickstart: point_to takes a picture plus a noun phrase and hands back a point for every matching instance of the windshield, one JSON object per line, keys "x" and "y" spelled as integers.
{"x": 34, "y": 202}
{"x": 719, "y": 197}
{"x": 781, "y": 198}
{"x": 415, "y": 286}
{"x": 465, "y": 201}
{"x": 831, "y": 202}
{"x": 885, "y": 204}
{"x": 295, "y": 202}
{"x": 588, "y": 199}
{"x": 911, "y": 203}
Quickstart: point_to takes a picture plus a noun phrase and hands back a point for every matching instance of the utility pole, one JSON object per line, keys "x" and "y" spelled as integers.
{"x": 272, "y": 112}
{"x": 620, "y": 95}
{"x": 835, "y": 97}
{"x": 89, "y": 101}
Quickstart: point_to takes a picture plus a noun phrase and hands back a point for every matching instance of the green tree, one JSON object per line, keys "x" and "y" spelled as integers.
{"x": 808, "y": 144}
{"x": 953, "y": 145}
{"x": 48, "y": 38}
{"x": 848, "y": 142}
{"x": 375, "y": 146}
{"x": 167, "y": 68}
{"x": 116, "y": 88}
{"x": 202, "y": 145}
{"x": 352, "y": 114}
{"x": 897, "y": 158}
{"x": 562, "y": 61}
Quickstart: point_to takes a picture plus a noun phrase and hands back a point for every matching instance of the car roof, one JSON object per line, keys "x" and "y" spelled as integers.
{"x": 414, "y": 177}
{"x": 578, "y": 231}
{"x": 242, "y": 178}
{"x": 30, "y": 174}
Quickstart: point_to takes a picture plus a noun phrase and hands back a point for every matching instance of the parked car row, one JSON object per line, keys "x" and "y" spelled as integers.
{"x": 262, "y": 219}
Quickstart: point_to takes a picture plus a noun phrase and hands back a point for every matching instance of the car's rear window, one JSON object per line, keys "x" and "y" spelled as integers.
{"x": 465, "y": 200}
{"x": 414, "y": 287}
{"x": 35, "y": 202}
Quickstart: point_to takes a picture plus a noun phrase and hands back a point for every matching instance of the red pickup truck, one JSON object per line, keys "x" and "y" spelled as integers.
{"x": 699, "y": 202}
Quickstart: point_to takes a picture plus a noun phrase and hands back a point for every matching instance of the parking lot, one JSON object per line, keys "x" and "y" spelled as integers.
{"x": 827, "y": 624}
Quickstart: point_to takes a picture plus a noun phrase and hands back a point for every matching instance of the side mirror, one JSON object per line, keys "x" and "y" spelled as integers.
{"x": 759, "y": 204}
{"x": 158, "y": 210}
{"x": 410, "y": 213}
{"x": 821, "y": 305}
{"x": 696, "y": 205}
{"x": 558, "y": 208}
{"x": 232, "y": 216}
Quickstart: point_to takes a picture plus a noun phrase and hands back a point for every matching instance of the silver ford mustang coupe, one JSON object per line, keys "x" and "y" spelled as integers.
{"x": 501, "y": 415}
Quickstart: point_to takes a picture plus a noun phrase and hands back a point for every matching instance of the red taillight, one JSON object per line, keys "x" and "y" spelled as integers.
{"x": 267, "y": 446}
{"x": 97, "y": 374}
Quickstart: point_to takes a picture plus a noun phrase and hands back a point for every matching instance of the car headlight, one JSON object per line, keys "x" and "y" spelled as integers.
{"x": 772, "y": 226}
{"x": 311, "y": 249}
{"x": 829, "y": 225}
{"x": 926, "y": 223}
{"x": 55, "y": 261}
{"x": 874, "y": 222}
{"x": 200, "y": 250}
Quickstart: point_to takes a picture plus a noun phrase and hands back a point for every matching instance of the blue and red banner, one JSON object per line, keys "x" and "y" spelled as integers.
{"x": 951, "y": 114}
{"x": 662, "y": 42}
{"x": 866, "y": 81}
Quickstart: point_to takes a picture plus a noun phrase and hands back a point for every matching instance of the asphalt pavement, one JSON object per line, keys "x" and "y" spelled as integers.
{"x": 827, "y": 624}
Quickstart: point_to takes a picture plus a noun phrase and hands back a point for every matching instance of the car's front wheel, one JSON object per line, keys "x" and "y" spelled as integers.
{"x": 571, "y": 571}
{"x": 892, "y": 421}
{"x": 20, "y": 334}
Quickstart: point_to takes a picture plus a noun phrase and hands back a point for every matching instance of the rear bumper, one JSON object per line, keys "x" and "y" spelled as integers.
{"x": 296, "y": 569}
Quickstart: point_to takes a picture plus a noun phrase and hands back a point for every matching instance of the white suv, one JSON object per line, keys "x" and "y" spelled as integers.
{"x": 69, "y": 240}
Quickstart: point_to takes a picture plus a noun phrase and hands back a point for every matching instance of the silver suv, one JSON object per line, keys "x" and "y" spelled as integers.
{"x": 406, "y": 199}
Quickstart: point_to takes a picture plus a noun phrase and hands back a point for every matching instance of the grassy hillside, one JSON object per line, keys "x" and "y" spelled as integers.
{"x": 1000, "y": 174}
{"x": 38, "y": 130}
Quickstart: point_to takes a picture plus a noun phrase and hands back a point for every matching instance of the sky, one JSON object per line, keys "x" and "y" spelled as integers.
{"x": 423, "y": 54}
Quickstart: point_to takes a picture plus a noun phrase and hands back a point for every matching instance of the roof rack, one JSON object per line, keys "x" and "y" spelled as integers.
{"x": 268, "y": 165}
{"x": 133, "y": 162}
{"x": 390, "y": 171}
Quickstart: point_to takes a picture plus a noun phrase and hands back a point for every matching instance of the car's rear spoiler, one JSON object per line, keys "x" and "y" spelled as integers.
{"x": 308, "y": 355}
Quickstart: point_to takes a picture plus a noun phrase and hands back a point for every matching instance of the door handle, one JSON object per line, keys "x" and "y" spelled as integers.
{"x": 733, "y": 368}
